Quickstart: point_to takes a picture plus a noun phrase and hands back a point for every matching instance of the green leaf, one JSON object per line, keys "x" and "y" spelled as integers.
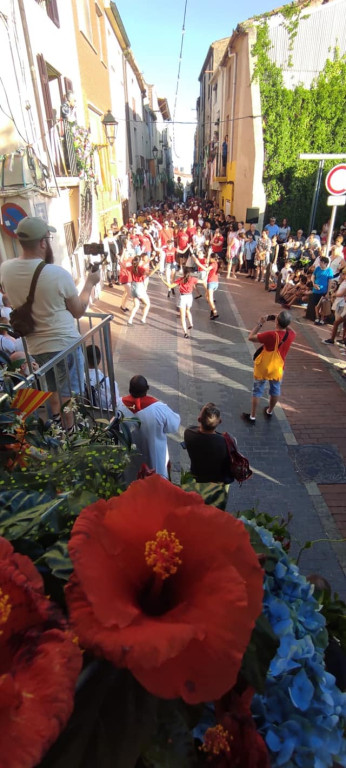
{"x": 113, "y": 719}
{"x": 173, "y": 745}
{"x": 214, "y": 494}
{"x": 58, "y": 561}
{"x": 259, "y": 653}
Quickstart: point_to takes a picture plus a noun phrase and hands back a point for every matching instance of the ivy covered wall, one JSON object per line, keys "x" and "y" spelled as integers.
{"x": 295, "y": 121}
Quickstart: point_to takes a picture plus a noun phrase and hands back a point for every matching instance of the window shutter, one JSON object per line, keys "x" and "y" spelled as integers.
{"x": 52, "y": 11}
{"x": 45, "y": 89}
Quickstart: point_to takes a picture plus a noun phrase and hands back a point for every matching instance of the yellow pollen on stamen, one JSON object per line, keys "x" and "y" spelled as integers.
{"x": 216, "y": 741}
{"x": 5, "y": 608}
{"x": 162, "y": 554}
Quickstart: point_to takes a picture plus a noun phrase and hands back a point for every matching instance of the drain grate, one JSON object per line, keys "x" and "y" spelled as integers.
{"x": 321, "y": 464}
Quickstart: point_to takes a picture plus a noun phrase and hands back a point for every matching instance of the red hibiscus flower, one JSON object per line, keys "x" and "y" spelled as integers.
{"x": 165, "y": 586}
{"x": 235, "y": 742}
{"x": 39, "y": 664}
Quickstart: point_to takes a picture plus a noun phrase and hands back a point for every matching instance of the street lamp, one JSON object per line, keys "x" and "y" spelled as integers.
{"x": 155, "y": 153}
{"x": 110, "y": 125}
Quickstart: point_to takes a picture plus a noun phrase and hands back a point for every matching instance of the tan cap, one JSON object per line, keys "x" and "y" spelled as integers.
{"x": 33, "y": 228}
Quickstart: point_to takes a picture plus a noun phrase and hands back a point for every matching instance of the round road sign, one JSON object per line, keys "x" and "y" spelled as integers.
{"x": 336, "y": 180}
{"x": 11, "y": 214}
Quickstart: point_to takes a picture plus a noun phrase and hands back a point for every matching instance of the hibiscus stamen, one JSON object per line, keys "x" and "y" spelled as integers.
{"x": 5, "y": 608}
{"x": 216, "y": 741}
{"x": 162, "y": 554}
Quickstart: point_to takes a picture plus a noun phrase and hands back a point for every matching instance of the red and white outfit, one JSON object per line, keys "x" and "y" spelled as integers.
{"x": 138, "y": 289}
{"x": 185, "y": 290}
{"x": 213, "y": 276}
{"x": 182, "y": 241}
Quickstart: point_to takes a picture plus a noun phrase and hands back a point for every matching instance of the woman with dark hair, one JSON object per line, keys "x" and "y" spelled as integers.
{"x": 138, "y": 275}
{"x": 186, "y": 284}
{"x": 207, "y": 448}
{"x": 212, "y": 283}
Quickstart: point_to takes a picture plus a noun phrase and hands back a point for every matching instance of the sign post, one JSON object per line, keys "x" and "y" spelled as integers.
{"x": 336, "y": 186}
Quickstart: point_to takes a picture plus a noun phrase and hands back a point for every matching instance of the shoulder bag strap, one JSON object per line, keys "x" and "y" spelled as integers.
{"x": 36, "y": 275}
{"x": 283, "y": 339}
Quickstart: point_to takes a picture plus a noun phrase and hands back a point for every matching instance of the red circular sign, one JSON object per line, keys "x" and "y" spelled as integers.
{"x": 336, "y": 180}
{"x": 11, "y": 214}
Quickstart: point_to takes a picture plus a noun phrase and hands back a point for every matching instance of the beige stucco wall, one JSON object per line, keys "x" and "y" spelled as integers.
{"x": 246, "y": 156}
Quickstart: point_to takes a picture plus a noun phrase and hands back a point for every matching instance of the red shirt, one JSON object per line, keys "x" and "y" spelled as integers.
{"x": 203, "y": 261}
{"x": 135, "y": 240}
{"x": 217, "y": 243}
{"x": 182, "y": 240}
{"x": 191, "y": 231}
{"x": 164, "y": 237}
{"x": 170, "y": 255}
{"x": 139, "y": 276}
{"x": 188, "y": 286}
{"x": 213, "y": 276}
{"x": 145, "y": 243}
{"x": 268, "y": 338}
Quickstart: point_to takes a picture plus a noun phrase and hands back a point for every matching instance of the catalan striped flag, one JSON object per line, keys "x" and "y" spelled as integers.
{"x": 28, "y": 400}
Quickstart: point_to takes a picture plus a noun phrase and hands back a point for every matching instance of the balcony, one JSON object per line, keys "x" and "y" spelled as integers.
{"x": 63, "y": 153}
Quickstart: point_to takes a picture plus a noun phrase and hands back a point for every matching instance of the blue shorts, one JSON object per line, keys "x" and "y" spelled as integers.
{"x": 66, "y": 377}
{"x": 212, "y": 286}
{"x": 259, "y": 386}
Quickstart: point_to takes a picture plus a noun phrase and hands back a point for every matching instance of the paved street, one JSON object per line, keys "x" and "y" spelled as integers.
{"x": 298, "y": 458}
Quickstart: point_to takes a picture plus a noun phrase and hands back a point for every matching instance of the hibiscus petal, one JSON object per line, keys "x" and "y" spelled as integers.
{"x": 194, "y": 644}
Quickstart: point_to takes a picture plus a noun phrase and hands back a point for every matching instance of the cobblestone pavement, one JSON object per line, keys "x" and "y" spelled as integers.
{"x": 298, "y": 457}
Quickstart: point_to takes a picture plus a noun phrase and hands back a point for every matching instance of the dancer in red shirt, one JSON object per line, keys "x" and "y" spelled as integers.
{"x": 138, "y": 289}
{"x": 186, "y": 285}
{"x": 212, "y": 283}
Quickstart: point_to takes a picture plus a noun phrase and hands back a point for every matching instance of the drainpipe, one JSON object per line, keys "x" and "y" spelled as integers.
{"x": 233, "y": 100}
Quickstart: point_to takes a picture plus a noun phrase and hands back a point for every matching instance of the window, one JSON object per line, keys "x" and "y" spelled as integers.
{"x": 51, "y": 7}
{"x": 134, "y": 109}
{"x": 84, "y": 19}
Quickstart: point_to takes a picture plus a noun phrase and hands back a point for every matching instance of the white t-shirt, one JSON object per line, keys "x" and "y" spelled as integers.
{"x": 337, "y": 264}
{"x": 102, "y": 387}
{"x": 5, "y": 312}
{"x": 150, "y": 438}
{"x": 55, "y": 327}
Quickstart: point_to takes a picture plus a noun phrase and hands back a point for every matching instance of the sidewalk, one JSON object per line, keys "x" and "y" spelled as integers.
{"x": 297, "y": 457}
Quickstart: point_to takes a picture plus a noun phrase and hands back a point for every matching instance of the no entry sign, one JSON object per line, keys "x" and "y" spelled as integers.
{"x": 11, "y": 214}
{"x": 336, "y": 180}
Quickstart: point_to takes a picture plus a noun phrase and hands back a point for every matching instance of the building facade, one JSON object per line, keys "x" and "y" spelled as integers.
{"x": 64, "y": 67}
{"x": 228, "y": 164}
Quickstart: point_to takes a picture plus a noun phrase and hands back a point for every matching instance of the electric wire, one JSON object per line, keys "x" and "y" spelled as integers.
{"x": 178, "y": 80}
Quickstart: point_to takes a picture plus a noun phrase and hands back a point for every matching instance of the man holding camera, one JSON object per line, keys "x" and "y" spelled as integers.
{"x": 56, "y": 306}
{"x": 269, "y": 361}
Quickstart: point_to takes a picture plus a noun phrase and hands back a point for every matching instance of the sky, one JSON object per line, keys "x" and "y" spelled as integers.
{"x": 154, "y": 29}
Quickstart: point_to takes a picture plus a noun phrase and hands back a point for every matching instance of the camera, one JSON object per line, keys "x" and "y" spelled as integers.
{"x": 271, "y": 317}
{"x": 93, "y": 249}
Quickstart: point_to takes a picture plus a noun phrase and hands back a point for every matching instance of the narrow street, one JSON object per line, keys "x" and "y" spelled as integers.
{"x": 298, "y": 458}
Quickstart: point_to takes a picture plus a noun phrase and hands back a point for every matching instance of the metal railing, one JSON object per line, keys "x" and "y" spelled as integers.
{"x": 99, "y": 398}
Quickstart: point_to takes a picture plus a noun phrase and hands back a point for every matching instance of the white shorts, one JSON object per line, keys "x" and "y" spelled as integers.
{"x": 186, "y": 300}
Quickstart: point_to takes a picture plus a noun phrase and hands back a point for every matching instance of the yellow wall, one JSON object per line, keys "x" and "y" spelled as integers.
{"x": 92, "y": 56}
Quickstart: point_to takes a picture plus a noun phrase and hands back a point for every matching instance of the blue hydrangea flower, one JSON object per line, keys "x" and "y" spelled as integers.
{"x": 302, "y": 713}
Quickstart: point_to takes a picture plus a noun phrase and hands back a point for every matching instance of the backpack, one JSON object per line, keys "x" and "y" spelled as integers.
{"x": 269, "y": 365}
{"x": 239, "y": 464}
{"x": 92, "y": 393}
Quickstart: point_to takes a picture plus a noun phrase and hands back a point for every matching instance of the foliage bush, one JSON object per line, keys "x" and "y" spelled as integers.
{"x": 296, "y": 121}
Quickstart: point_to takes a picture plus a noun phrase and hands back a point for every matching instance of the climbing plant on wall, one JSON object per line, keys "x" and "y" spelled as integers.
{"x": 295, "y": 121}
